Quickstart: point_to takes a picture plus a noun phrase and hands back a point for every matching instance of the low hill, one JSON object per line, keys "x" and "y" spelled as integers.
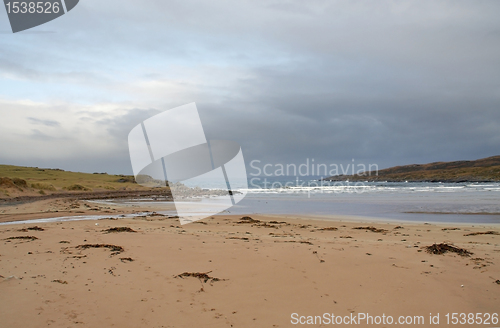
{"x": 481, "y": 170}
{"x": 27, "y": 182}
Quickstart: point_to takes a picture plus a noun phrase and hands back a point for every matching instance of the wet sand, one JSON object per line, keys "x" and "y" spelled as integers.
{"x": 226, "y": 271}
{"x": 67, "y": 207}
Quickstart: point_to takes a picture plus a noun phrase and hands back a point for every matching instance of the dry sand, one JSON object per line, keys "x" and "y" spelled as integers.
{"x": 264, "y": 271}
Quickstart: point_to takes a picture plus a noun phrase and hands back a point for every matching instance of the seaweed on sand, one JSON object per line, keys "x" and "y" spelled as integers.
{"x": 203, "y": 276}
{"x": 242, "y": 238}
{"x": 442, "y": 248}
{"x": 22, "y": 237}
{"x": 113, "y": 248}
{"x": 373, "y": 229}
{"x": 35, "y": 228}
{"x": 247, "y": 219}
{"x": 294, "y": 241}
{"x": 483, "y": 233}
{"x": 119, "y": 229}
{"x": 329, "y": 229}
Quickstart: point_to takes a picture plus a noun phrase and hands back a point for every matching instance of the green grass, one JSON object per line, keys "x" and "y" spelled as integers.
{"x": 43, "y": 186}
{"x": 58, "y": 180}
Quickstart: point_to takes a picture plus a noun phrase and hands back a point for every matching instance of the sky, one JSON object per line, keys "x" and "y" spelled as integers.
{"x": 381, "y": 82}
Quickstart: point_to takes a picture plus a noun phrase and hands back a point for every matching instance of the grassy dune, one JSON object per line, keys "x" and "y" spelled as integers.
{"x": 26, "y": 181}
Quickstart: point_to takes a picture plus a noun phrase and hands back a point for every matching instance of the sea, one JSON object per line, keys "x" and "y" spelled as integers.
{"x": 401, "y": 201}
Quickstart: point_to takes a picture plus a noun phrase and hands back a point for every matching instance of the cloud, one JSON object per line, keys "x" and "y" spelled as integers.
{"x": 36, "y": 121}
{"x": 383, "y": 82}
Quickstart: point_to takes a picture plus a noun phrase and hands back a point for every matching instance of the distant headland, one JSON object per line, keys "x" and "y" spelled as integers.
{"x": 481, "y": 170}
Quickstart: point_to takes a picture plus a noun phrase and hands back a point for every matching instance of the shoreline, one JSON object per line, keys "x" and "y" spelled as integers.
{"x": 310, "y": 217}
{"x": 64, "y": 209}
{"x": 452, "y": 213}
{"x": 370, "y": 220}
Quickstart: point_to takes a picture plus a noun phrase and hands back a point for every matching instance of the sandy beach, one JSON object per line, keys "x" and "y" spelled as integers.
{"x": 250, "y": 164}
{"x": 234, "y": 271}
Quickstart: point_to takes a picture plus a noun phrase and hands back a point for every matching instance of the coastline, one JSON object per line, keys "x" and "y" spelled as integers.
{"x": 64, "y": 209}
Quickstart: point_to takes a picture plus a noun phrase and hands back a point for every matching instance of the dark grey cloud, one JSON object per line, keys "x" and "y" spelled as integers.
{"x": 381, "y": 82}
{"x": 378, "y": 124}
